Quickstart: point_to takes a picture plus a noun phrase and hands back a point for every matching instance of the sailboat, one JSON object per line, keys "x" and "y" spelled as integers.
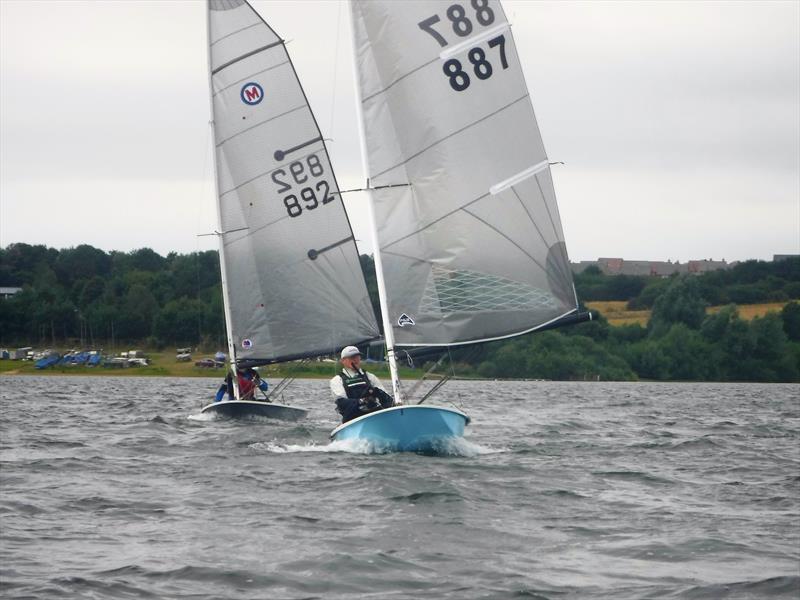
{"x": 467, "y": 238}
{"x": 292, "y": 283}
{"x": 468, "y": 243}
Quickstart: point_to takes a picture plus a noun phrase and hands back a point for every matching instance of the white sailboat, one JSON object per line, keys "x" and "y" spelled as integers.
{"x": 468, "y": 240}
{"x": 291, "y": 278}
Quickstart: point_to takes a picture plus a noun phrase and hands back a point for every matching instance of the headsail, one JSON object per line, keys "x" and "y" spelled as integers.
{"x": 295, "y": 285}
{"x": 472, "y": 248}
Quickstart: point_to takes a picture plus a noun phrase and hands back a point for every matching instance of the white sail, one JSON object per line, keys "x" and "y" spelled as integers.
{"x": 472, "y": 245}
{"x": 294, "y": 283}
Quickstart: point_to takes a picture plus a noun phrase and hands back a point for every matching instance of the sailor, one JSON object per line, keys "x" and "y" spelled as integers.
{"x": 355, "y": 391}
{"x": 248, "y": 380}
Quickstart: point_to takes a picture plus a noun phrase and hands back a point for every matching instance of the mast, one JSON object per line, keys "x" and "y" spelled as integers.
{"x": 226, "y": 303}
{"x": 388, "y": 331}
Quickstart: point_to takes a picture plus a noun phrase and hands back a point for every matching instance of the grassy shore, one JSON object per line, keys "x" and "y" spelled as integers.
{"x": 163, "y": 364}
{"x": 617, "y": 313}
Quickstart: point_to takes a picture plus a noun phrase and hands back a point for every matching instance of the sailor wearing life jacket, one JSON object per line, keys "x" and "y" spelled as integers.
{"x": 248, "y": 381}
{"x": 355, "y": 391}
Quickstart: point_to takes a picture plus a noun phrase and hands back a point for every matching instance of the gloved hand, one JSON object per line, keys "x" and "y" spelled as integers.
{"x": 368, "y": 401}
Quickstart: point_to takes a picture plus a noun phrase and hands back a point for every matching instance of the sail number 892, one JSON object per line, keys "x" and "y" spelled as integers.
{"x": 311, "y": 195}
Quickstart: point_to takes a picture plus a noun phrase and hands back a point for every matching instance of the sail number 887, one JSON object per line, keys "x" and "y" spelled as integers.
{"x": 462, "y": 26}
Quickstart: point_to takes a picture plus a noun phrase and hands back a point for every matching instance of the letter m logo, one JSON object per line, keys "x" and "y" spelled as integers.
{"x": 252, "y": 93}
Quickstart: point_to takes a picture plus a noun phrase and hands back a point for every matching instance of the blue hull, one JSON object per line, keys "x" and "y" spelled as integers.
{"x": 405, "y": 428}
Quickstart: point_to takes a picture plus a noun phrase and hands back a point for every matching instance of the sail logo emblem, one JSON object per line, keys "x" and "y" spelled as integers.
{"x": 247, "y": 344}
{"x": 252, "y": 93}
{"x": 405, "y": 321}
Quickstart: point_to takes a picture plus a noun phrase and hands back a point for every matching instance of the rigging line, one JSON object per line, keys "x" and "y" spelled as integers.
{"x": 448, "y": 136}
{"x": 520, "y": 248}
{"x": 259, "y": 124}
{"x": 462, "y": 207}
{"x": 222, "y": 89}
{"x": 246, "y": 55}
{"x": 256, "y": 230}
{"x": 546, "y": 207}
{"x": 435, "y": 388}
{"x": 371, "y": 189}
{"x": 414, "y": 389}
{"x": 335, "y": 65}
{"x": 223, "y": 232}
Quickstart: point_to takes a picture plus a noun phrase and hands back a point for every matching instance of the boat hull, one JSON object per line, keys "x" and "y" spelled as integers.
{"x": 244, "y": 409}
{"x": 405, "y": 428}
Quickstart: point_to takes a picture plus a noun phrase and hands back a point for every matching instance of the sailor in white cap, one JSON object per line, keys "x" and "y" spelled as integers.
{"x": 355, "y": 391}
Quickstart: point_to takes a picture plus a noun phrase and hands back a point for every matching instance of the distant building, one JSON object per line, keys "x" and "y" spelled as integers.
{"x": 777, "y": 257}
{"x": 7, "y": 292}
{"x": 704, "y": 266}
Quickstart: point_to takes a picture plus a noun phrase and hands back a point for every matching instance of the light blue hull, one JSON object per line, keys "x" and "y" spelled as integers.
{"x": 405, "y": 428}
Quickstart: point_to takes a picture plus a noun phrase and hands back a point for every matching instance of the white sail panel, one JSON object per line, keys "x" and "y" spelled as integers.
{"x": 472, "y": 246}
{"x": 294, "y": 280}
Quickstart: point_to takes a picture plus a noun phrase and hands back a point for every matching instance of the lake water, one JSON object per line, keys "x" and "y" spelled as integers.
{"x": 110, "y": 489}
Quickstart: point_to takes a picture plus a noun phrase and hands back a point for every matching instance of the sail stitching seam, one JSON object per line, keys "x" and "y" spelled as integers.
{"x": 527, "y": 212}
{"x": 219, "y": 91}
{"x": 547, "y": 208}
{"x": 495, "y": 229}
{"x": 398, "y": 80}
{"x": 227, "y": 35}
{"x": 283, "y": 114}
{"x": 462, "y": 207}
{"x": 447, "y": 137}
{"x": 247, "y": 55}
{"x": 265, "y": 173}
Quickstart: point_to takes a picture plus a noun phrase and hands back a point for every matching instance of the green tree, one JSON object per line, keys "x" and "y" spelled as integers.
{"x": 680, "y": 303}
{"x": 180, "y": 321}
{"x": 687, "y": 355}
{"x": 791, "y": 320}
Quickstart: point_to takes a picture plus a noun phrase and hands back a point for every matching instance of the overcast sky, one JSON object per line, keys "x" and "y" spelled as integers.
{"x": 679, "y": 122}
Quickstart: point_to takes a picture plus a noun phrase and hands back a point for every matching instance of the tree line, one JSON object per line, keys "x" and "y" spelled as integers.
{"x": 85, "y": 295}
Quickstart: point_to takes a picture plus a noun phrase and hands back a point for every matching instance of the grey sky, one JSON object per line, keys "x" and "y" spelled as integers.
{"x": 679, "y": 122}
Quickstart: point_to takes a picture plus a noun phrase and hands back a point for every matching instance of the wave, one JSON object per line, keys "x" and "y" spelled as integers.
{"x": 448, "y": 447}
{"x": 633, "y": 476}
{"x": 772, "y": 587}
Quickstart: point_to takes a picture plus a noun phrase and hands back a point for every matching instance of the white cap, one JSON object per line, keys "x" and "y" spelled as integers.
{"x": 350, "y": 351}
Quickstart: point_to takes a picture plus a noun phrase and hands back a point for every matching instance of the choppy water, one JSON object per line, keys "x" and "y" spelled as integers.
{"x": 108, "y": 489}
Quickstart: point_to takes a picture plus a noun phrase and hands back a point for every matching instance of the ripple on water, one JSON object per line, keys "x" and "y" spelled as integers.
{"x": 560, "y": 490}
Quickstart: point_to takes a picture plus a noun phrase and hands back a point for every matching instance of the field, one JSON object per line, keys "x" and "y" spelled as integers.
{"x": 617, "y": 313}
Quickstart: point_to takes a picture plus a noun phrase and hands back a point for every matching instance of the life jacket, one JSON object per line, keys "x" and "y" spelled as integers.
{"x": 355, "y": 385}
{"x": 247, "y": 388}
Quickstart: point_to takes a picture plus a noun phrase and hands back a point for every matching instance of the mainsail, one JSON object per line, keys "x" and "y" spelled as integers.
{"x": 294, "y": 285}
{"x": 469, "y": 231}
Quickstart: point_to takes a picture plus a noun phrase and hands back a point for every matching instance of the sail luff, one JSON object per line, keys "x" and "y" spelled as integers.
{"x": 226, "y": 302}
{"x": 388, "y": 330}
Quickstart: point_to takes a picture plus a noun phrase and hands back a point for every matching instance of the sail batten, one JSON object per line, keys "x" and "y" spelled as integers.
{"x": 278, "y": 199}
{"x": 472, "y": 246}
